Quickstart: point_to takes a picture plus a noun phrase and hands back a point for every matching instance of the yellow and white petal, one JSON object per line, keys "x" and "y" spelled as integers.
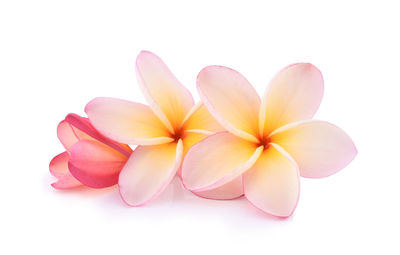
{"x": 167, "y": 97}
{"x": 188, "y": 140}
{"x": 293, "y": 95}
{"x": 319, "y": 148}
{"x": 126, "y": 122}
{"x": 191, "y": 138}
{"x": 148, "y": 171}
{"x": 217, "y": 160}
{"x": 272, "y": 184}
{"x": 231, "y": 100}
{"x": 200, "y": 120}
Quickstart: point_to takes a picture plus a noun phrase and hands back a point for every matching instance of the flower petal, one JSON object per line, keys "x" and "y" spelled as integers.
{"x": 84, "y": 130}
{"x": 230, "y": 190}
{"x": 294, "y": 94}
{"x": 319, "y": 148}
{"x": 272, "y": 184}
{"x": 59, "y": 169}
{"x": 191, "y": 138}
{"x": 217, "y": 160}
{"x": 126, "y": 122}
{"x": 74, "y": 128}
{"x": 95, "y": 164}
{"x": 167, "y": 97}
{"x": 200, "y": 120}
{"x": 231, "y": 99}
{"x": 66, "y": 134}
{"x": 188, "y": 140}
{"x": 148, "y": 171}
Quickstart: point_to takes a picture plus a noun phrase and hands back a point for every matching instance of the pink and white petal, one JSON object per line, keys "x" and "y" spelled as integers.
{"x": 81, "y": 127}
{"x": 69, "y": 132}
{"x": 293, "y": 95}
{"x": 95, "y": 164}
{"x": 66, "y": 134}
{"x": 272, "y": 184}
{"x": 200, "y": 120}
{"x": 59, "y": 169}
{"x": 217, "y": 160}
{"x": 126, "y": 122}
{"x": 230, "y": 190}
{"x": 148, "y": 171}
{"x": 167, "y": 97}
{"x": 231, "y": 100}
{"x": 319, "y": 148}
{"x": 84, "y": 130}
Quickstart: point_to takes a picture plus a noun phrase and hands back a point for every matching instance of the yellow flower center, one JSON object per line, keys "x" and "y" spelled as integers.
{"x": 264, "y": 141}
{"x": 178, "y": 134}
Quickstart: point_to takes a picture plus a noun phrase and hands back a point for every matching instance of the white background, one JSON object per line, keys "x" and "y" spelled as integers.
{"x": 55, "y": 56}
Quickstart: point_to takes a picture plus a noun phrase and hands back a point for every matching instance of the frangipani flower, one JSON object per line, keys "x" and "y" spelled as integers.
{"x": 164, "y": 131}
{"x": 90, "y": 158}
{"x": 270, "y": 142}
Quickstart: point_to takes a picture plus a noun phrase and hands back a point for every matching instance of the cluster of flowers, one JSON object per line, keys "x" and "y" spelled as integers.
{"x": 230, "y": 144}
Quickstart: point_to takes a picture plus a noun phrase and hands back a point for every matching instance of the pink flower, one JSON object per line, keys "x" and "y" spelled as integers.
{"x": 164, "y": 131}
{"x": 269, "y": 142}
{"x": 90, "y": 158}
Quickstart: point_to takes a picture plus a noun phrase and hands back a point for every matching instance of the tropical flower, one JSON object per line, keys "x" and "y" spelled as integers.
{"x": 90, "y": 158}
{"x": 269, "y": 142}
{"x": 164, "y": 131}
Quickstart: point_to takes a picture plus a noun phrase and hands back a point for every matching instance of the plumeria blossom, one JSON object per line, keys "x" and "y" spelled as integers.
{"x": 163, "y": 131}
{"x": 90, "y": 159}
{"x": 269, "y": 142}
